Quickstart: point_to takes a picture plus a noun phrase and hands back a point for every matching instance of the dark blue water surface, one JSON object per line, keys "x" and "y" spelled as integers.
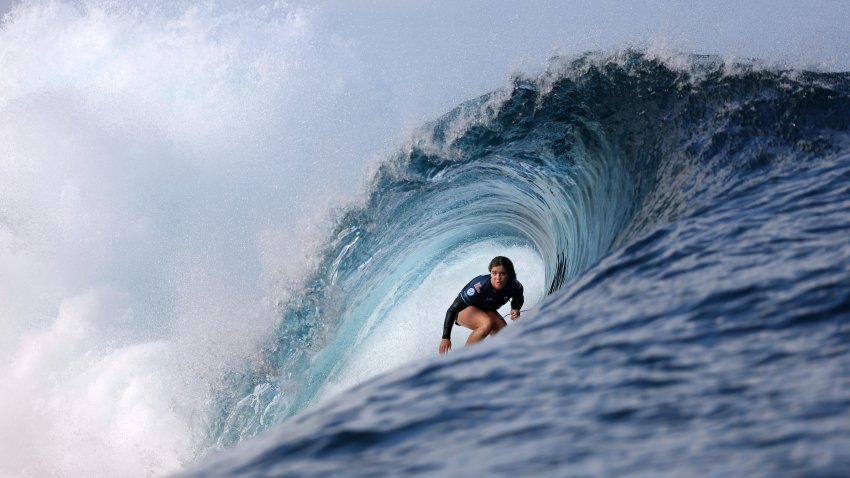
{"x": 694, "y": 225}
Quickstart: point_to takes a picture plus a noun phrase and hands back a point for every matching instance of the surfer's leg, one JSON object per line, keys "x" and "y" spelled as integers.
{"x": 498, "y": 322}
{"x": 482, "y": 323}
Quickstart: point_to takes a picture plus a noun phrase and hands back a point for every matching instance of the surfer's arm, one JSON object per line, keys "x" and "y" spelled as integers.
{"x": 451, "y": 316}
{"x": 516, "y": 303}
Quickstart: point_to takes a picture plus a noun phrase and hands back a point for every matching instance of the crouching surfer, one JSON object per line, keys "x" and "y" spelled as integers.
{"x": 476, "y": 306}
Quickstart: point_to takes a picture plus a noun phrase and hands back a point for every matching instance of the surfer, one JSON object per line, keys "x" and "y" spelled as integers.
{"x": 476, "y": 305}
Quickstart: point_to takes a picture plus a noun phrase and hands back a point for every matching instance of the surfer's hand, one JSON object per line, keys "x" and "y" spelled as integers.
{"x": 514, "y": 314}
{"x": 445, "y": 346}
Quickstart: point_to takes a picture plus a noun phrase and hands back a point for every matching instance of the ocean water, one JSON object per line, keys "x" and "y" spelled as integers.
{"x": 692, "y": 222}
{"x": 229, "y": 233}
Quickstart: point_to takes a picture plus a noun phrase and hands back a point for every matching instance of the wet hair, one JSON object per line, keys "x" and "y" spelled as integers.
{"x": 504, "y": 262}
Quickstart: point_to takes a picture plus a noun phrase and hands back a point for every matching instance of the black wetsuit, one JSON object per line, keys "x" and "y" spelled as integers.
{"x": 481, "y": 294}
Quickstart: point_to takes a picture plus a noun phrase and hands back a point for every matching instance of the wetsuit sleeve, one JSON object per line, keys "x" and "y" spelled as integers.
{"x": 451, "y": 316}
{"x": 518, "y": 298}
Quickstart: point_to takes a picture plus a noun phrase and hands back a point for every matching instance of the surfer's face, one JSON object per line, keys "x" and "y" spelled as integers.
{"x": 498, "y": 277}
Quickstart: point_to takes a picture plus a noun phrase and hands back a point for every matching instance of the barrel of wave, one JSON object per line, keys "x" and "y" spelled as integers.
{"x": 410, "y": 330}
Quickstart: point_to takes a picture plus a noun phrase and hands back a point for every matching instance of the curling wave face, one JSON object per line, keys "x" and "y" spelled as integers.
{"x": 688, "y": 228}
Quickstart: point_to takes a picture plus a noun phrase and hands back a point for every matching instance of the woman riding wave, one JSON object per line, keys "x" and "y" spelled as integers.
{"x": 477, "y": 303}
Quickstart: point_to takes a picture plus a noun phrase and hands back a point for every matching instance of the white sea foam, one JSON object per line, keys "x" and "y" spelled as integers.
{"x": 156, "y": 173}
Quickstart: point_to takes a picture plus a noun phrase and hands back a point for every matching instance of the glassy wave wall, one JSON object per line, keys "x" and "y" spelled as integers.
{"x": 686, "y": 220}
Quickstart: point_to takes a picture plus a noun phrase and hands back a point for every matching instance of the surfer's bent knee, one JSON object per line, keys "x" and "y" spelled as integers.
{"x": 488, "y": 321}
